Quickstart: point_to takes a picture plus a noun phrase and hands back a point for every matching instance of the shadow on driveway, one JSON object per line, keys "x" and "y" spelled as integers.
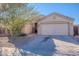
{"x": 40, "y": 45}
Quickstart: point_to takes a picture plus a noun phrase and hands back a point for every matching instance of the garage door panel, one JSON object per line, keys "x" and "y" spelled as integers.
{"x": 54, "y": 29}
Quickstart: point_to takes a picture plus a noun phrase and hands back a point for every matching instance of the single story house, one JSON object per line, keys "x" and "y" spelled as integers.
{"x": 55, "y": 24}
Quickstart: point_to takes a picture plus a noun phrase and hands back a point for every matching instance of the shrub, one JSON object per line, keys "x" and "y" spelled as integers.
{"x": 22, "y": 34}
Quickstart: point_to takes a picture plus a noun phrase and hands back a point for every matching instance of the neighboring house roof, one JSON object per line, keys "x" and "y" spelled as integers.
{"x": 65, "y": 17}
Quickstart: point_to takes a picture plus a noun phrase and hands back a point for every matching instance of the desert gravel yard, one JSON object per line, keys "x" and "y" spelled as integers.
{"x": 36, "y": 45}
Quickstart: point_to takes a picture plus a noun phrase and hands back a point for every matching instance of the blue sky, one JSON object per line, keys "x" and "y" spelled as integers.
{"x": 68, "y": 9}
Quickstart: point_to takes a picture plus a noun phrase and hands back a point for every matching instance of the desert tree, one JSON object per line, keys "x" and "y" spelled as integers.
{"x": 15, "y": 15}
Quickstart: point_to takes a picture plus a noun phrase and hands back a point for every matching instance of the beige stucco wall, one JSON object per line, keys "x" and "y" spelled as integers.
{"x": 55, "y": 19}
{"x": 27, "y": 29}
{"x": 52, "y": 18}
{"x": 71, "y": 29}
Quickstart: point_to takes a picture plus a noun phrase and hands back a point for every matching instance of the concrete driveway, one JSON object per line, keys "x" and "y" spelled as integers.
{"x": 51, "y": 45}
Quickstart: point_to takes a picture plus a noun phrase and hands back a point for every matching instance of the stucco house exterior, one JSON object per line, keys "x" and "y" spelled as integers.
{"x": 27, "y": 28}
{"x": 76, "y": 30}
{"x": 55, "y": 24}
{"x": 52, "y": 24}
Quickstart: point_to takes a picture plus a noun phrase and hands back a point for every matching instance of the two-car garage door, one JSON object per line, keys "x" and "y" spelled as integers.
{"x": 53, "y": 29}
